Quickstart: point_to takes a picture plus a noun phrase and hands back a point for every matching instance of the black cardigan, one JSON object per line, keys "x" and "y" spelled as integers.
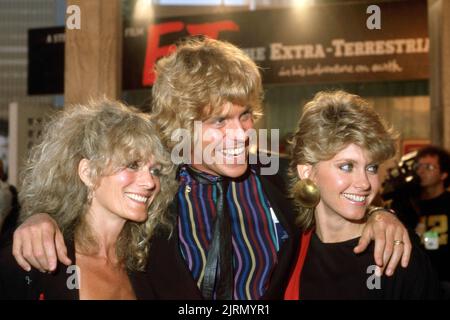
{"x": 18, "y": 284}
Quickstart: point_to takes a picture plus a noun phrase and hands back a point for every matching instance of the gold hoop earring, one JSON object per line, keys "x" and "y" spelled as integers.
{"x": 306, "y": 193}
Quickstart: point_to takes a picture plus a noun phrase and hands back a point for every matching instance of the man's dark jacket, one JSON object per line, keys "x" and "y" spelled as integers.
{"x": 171, "y": 279}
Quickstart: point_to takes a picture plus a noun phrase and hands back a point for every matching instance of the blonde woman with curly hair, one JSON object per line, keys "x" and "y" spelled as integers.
{"x": 103, "y": 176}
{"x": 338, "y": 146}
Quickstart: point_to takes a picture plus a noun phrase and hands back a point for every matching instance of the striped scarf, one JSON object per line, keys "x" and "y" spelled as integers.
{"x": 257, "y": 235}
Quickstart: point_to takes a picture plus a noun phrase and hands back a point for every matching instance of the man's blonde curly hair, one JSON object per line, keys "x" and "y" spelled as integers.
{"x": 197, "y": 79}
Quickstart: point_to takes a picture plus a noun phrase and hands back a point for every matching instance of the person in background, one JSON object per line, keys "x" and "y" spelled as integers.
{"x": 337, "y": 149}
{"x": 103, "y": 176}
{"x": 428, "y": 211}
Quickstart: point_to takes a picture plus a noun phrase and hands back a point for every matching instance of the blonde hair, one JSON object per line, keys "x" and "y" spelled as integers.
{"x": 329, "y": 123}
{"x": 111, "y": 136}
{"x": 196, "y": 80}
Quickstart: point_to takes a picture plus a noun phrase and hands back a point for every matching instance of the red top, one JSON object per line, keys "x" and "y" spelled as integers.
{"x": 293, "y": 289}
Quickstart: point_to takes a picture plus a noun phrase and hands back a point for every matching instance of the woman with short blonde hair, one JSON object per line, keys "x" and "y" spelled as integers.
{"x": 330, "y": 122}
{"x": 337, "y": 148}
